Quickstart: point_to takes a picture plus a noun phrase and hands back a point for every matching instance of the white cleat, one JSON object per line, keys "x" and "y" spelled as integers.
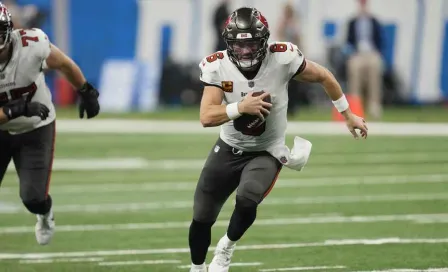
{"x": 223, "y": 254}
{"x": 198, "y": 268}
{"x": 44, "y": 228}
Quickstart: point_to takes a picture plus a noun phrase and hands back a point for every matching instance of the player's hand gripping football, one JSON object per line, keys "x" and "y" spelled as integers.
{"x": 89, "y": 101}
{"x": 255, "y": 105}
{"x": 354, "y": 122}
{"x": 22, "y": 107}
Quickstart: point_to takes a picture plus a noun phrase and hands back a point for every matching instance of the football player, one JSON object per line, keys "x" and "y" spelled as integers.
{"x": 27, "y": 115}
{"x": 249, "y": 160}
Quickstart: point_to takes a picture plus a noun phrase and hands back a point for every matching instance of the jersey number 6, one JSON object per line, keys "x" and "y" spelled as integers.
{"x": 279, "y": 47}
{"x": 215, "y": 56}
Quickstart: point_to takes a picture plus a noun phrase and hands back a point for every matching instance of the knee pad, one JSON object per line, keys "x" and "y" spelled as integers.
{"x": 244, "y": 203}
{"x": 38, "y": 207}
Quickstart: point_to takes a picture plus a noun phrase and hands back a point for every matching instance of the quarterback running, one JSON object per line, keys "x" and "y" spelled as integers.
{"x": 27, "y": 114}
{"x": 246, "y": 94}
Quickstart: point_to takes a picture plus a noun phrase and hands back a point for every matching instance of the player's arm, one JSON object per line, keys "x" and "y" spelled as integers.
{"x": 212, "y": 113}
{"x": 59, "y": 61}
{"x": 315, "y": 73}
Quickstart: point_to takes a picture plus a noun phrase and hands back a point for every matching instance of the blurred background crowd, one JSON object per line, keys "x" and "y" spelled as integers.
{"x": 143, "y": 55}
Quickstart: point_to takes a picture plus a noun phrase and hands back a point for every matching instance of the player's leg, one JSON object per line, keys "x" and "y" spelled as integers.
{"x": 34, "y": 161}
{"x": 5, "y": 153}
{"x": 374, "y": 78}
{"x": 355, "y": 75}
{"x": 218, "y": 180}
{"x": 257, "y": 180}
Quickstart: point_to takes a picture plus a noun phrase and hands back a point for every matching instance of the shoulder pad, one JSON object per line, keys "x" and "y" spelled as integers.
{"x": 284, "y": 52}
{"x": 212, "y": 62}
{"x": 39, "y": 33}
{"x": 35, "y": 40}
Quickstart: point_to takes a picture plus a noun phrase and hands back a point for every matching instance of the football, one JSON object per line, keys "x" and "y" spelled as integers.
{"x": 248, "y": 123}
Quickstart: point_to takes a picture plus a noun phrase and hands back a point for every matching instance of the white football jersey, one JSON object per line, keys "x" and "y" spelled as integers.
{"x": 281, "y": 63}
{"x": 23, "y": 77}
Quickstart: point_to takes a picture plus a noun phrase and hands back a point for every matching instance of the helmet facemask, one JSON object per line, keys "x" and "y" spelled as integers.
{"x": 247, "y": 53}
{"x": 5, "y": 35}
{"x": 6, "y": 27}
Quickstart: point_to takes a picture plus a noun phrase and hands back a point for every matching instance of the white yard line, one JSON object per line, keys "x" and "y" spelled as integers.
{"x": 282, "y": 183}
{"x": 103, "y": 253}
{"x": 335, "y": 219}
{"x": 304, "y": 268}
{"x": 144, "y": 262}
{"x": 9, "y": 208}
{"x": 120, "y": 164}
{"x": 231, "y": 264}
{"x": 62, "y": 260}
{"x": 90, "y": 164}
{"x": 128, "y": 126}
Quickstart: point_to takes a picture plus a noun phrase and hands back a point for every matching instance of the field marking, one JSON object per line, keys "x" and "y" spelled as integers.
{"x": 303, "y": 268}
{"x": 91, "y": 164}
{"x": 98, "y": 164}
{"x": 231, "y": 264}
{"x": 414, "y": 218}
{"x": 129, "y": 126}
{"x": 139, "y": 262}
{"x": 281, "y": 183}
{"x": 12, "y": 208}
{"x": 63, "y": 260}
{"x": 103, "y": 253}
{"x": 408, "y": 270}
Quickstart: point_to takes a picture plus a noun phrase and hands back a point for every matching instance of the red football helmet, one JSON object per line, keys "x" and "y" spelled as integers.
{"x": 246, "y": 33}
{"x": 6, "y": 26}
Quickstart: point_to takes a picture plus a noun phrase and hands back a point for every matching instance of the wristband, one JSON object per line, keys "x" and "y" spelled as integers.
{"x": 341, "y": 104}
{"x": 232, "y": 111}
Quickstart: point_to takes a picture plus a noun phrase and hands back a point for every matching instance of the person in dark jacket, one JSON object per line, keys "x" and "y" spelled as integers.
{"x": 219, "y": 19}
{"x": 365, "y": 64}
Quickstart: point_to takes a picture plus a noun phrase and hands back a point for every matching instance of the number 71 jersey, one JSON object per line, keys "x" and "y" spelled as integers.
{"x": 282, "y": 62}
{"x": 23, "y": 78}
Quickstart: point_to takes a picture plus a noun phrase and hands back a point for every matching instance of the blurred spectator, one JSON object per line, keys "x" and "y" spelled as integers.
{"x": 26, "y": 16}
{"x": 220, "y": 17}
{"x": 365, "y": 63}
{"x": 288, "y": 30}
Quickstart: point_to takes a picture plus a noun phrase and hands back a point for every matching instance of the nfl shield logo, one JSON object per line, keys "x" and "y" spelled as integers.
{"x": 216, "y": 148}
{"x": 251, "y": 84}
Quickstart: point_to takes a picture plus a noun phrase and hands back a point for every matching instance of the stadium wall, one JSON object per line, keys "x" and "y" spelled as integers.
{"x": 148, "y": 30}
{"x": 418, "y": 28}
